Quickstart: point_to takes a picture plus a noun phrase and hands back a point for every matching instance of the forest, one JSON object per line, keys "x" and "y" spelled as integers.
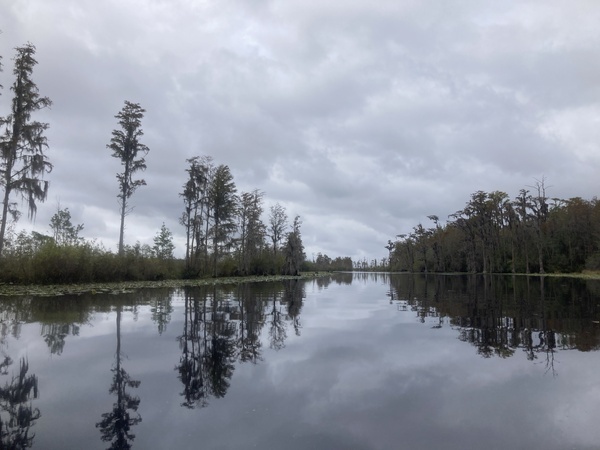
{"x": 493, "y": 233}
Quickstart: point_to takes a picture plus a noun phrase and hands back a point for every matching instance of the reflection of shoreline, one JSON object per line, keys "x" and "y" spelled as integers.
{"x": 500, "y": 314}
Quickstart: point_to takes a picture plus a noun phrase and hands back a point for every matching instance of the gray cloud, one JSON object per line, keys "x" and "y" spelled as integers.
{"x": 361, "y": 117}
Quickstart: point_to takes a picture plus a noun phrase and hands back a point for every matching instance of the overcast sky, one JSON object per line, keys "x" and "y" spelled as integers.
{"x": 363, "y": 117}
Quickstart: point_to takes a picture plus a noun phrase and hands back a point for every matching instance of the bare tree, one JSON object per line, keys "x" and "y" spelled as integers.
{"x": 539, "y": 206}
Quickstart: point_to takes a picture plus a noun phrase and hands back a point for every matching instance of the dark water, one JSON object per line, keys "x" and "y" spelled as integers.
{"x": 361, "y": 361}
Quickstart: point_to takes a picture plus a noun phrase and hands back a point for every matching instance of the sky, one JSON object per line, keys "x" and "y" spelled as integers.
{"x": 361, "y": 117}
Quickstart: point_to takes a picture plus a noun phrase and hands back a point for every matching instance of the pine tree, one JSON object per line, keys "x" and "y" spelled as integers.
{"x": 163, "y": 243}
{"x": 223, "y": 203}
{"x": 294, "y": 249}
{"x": 252, "y": 230}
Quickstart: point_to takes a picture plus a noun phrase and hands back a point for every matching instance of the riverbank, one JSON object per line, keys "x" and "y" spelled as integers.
{"x": 119, "y": 287}
{"x": 52, "y": 290}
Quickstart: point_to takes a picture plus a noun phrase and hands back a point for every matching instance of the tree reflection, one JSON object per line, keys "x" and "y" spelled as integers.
{"x": 221, "y": 327}
{"x": 17, "y": 414}
{"x": 251, "y": 322}
{"x": 277, "y": 326}
{"x": 220, "y": 356}
{"x": 60, "y": 317}
{"x": 161, "y": 310}
{"x": 190, "y": 364}
{"x": 115, "y": 425}
{"x": 208, "y": 350}
{"x": 500, "y": 314}
{"x": 293, "y": 293}
{"x": 56, "y": 333}
{"x": 546, "y": 336}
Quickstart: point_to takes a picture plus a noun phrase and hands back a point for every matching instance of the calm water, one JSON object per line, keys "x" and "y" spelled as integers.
{"x": 363, "y": 361}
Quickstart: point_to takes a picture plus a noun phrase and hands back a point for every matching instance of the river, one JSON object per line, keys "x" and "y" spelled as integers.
{"x": 350, "y": 361}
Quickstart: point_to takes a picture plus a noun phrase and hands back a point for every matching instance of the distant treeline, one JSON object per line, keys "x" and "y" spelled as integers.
{"x": 323, "y": 263}
{"x": 532, "y": 233}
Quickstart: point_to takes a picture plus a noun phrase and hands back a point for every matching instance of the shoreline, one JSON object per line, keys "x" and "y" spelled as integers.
{"x": 122, "y": 287}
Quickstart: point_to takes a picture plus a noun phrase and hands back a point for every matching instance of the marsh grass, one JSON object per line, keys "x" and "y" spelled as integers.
{"x": 121, "y": 287}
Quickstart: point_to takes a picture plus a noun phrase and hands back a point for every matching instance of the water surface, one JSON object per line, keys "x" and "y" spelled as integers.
{"x": 355, "y": 361}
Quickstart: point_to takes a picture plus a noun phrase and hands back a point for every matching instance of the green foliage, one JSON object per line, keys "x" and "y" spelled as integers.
{"x": 196, "y": 214}
{"x": 163, "y": 244}
{"x": 277, "y": 225}
{"x": 324, "y": 263}
{"x": 65, "y": 233}
{"x": 294, "y": 250}
{"x": 593, "y": 262}
{"x": 35, "y": 258}
{"x": 532, "y": 233}
{"x": 227, "y": 266}
{"x": 223, "y": 206}
{"x": 251, "y": 229}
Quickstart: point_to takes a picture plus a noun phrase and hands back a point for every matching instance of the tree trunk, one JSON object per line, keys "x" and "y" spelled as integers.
{"x": 122, "y": 229}
{"x": 4, "y": 218}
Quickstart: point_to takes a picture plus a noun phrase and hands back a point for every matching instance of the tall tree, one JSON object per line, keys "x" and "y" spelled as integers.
{"x": 436, "y": 245}
{"x": 277, "y": 225}
{"x": 125, "y": 144}
{"x": 22, "y": 159}
{"x": 522, "y": 205}
{"x": 539, "y": 207}
{"x": 252, "y": 230}
{"x": 294, "y": 249}
{"x": 390, "y": 248}
{"x": 223, "y": 203}
{"x": 422, "y": 235}
{"x": 196, "y": 213}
